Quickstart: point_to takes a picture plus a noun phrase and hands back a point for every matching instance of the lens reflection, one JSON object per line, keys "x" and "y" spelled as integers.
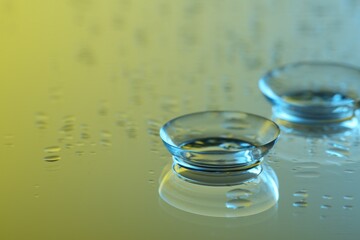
{"x": 255, "y": 193}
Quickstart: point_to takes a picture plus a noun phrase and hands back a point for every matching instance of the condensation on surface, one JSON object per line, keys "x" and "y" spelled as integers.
{"x": 85, "y": 86}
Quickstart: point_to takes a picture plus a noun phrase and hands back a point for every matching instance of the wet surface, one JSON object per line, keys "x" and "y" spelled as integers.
{"x": 86, "y": 85}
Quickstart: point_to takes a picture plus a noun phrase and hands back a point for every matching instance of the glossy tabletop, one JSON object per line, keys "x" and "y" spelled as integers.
{"x": 86, "y": 85}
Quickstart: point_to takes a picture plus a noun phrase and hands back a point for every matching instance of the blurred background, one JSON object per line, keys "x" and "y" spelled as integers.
{"x": 85, "y": 86}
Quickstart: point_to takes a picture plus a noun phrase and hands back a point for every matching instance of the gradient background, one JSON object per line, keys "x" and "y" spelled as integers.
{"x": 95, "y": 80}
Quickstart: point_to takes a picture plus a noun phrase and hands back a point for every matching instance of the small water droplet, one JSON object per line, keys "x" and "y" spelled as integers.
{"x": 69, "y": 146}
{"x": 41, "y": 121}
{"x": 307, "y": 174}
{"x": 311, "y": 151}
{"x": 325, "y": 206}
{"x": 339, "y": 146}
{"x": 55, "y": 94}
{"x": 300, "y": 204}
{"x": 69, "y": 119}
{"x": 79, "y": 153}
{"x": 105, "y": 143}
{"x": 308, "y": 165}
{"x": 52, "y": 158}
{"x": 301, "y": 193}
{"x": 328, "y": 197}
{"x": 106, "y": 134}
{"x": 154, "y": 150}
{"x": 338, "y": 152}
{"x": 238, "y": 193}
{"x": 9, "y": 140}
{"x": 347, "y": 207}
{"x": 153, "y": 132}
{"x": 131, "y": 131}
{"x": 151, "y": 172}
{"x": 151, "y": 181}
{"x": 348, "y": 197}
{"x": 122, "y": 120}
{"x": 154, "y": 127}
{"x": 85, "y": 135}
{"x": 67, "y": 128}
{"x": 103, "y": 111}
{"x": 349, "y": 171}
{"x": 238, "y": 203}
{"x": 52, "y": 149}
{"x": 36, "y": 195}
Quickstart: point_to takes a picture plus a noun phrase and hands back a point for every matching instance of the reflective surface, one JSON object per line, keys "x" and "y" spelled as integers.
{"x": 86, "y": 85}
{"x": 253, "y": 195}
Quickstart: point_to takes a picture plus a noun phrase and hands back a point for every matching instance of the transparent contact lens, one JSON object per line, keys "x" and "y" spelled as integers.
{"x": 219, "y": 141}
{"x": 313, "y": 93}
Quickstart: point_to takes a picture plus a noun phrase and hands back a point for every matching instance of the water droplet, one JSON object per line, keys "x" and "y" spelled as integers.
{"x": 55, "y": 94}
{"x": 9, "y": 141}
{"x": 67, "y": 128}
{"x": 68, "y": 146}
{"x": 311, "y": 151}
{"x": 122, "y": 119}
{"x": 238, "y": 203}
{"x": 325, "y": 206}
{"x": 80, "y": 144}
{"x": 308, "y": 165}
{"x": 41, "y": 121}
{"x": 153, "y": 128}
{"x": 79, "y": 153}
{"x": 347, "y": 207}
{"x": 339, "y": 146}
{"x": 106, "y": 134}
{"x": 301, "y": 193}
{"x": 348, "y": 197}
{"x": 85, "y": 135}
{"x": 131, "y": 132}
{"x": 349, "y": 171}
{"x": 52, "y": 158}
{"x": 151, "y": 181}
{"x": 105, "y": 143}
{"x": 151, "y": 172}
{"x": 36, "y": 195}
{"x": 153, "y": 132}
{"x": 69, "y": 119}
{"x": 300, "y": 204}
{"x": 338, "y": 152}
{"x": 66, "y": 138}
{"x": 238, "y": 193}
{"x": 328, "y": 197}
{"x": 307, "y": 174}
{"x": 52, "y": 149}
{"x": 86, "y": 56}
